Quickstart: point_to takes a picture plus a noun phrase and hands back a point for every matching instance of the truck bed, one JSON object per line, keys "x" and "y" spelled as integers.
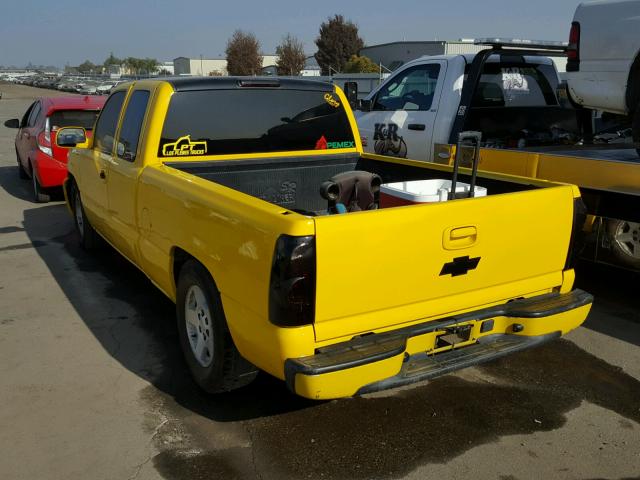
{"x": 294, "y": 183}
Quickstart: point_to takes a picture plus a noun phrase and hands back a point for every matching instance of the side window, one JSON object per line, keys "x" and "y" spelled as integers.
{"x": 411, "y": 89}
{"x": 25, "y": 118}
{"x": 34, "y": 115}
{"x": 132, "y": 124}
{"x": 107, "y": 123}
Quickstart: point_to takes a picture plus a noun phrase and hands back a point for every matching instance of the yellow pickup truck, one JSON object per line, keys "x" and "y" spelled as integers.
{"x": 250, "y": 203}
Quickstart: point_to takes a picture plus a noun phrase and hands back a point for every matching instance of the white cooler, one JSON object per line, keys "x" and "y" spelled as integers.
{"x": 422, "y": 191}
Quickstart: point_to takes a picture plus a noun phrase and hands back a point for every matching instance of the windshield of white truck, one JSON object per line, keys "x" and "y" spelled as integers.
{"x": 223, "y": 122}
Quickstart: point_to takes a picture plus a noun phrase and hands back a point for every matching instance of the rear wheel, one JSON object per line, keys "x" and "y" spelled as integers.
{"x": 212, "y": 357}
{"x": 89, "y": 239}
{"x": 38, "y": 193}
{"x": 625, "y": 242}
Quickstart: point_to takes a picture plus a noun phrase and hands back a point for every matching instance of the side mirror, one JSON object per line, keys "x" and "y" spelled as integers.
{"x": 12, "y": 123}
{"x": 351, "y": 92}
{"x": 72, "y": 137}
{"x": 365, "y": 105}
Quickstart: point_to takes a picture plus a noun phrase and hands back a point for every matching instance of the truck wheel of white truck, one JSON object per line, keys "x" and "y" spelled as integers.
{"x": 88, "y": 237}
{"x": 212, "y": 357}
{"x": 625, "y": 242}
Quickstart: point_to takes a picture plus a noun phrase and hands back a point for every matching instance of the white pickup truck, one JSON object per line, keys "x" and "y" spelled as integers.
{"x": 512, "y": 95}
{"x": 511, "y": 100}
{"x": 603, "y": 67}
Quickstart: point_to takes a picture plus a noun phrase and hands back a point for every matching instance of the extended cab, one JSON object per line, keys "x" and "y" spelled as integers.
{"x": 220, "y": 191}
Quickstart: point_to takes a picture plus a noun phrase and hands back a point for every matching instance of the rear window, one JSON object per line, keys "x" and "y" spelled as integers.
{"x": 516, "y": 86}
{"x": 221, "y": 122}
{"x": 73, "y": 118}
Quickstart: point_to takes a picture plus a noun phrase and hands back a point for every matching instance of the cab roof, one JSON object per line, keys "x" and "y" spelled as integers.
{"x": 181, "y": 84}
{"x": 468, "y": 57}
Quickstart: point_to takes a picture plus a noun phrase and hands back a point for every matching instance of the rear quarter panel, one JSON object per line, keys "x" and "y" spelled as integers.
{"x": 233, "y": 235}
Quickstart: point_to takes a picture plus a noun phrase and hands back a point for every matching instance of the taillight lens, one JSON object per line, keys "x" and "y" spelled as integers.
{"x": 47, "y": 131}
{"x": 293, "y": 282}
{"x": 44, "y": 143}
{"x": 573, "y": 50}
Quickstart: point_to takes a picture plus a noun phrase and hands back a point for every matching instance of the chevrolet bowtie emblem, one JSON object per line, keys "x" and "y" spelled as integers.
{"x": 460, "y": 266}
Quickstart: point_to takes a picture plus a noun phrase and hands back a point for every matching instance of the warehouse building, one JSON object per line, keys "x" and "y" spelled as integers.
{"x": 394, "y": 54}
{"x": 210, "y": 66}
{"x": 200, "y": 66}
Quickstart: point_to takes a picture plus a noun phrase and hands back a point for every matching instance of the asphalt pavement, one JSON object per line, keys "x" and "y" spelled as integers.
{"x": 93, "y": 385}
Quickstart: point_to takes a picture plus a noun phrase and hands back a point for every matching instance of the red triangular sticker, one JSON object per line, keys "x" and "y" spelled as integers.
{"x": 321, "y": 144}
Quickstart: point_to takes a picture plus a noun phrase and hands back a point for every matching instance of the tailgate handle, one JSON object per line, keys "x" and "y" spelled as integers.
{"x": 460, "y": 237}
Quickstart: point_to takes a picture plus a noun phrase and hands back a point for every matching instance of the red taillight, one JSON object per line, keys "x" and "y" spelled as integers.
{"x": 44, "y": 143}
{"x": 573, "y": 49}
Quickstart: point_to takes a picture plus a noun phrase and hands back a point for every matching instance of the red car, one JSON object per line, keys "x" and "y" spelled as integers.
{"x": 36, "y": 150}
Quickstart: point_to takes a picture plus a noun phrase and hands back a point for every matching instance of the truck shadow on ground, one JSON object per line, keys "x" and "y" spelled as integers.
{"x": 616, "y": 300}
{"x": 378, "y": 436}
{"x": 135, "y": 323}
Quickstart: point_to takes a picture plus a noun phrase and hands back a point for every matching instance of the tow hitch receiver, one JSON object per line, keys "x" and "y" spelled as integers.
{"x": 453, "y": 336}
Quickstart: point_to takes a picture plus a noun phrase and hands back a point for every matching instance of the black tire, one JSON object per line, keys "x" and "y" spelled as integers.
{"x": 224, "y": 369}
{"x": 635, "y": 129}
{"x": 89, "y": 238}
{"x": 22, "y": 173}
{"x": 39, "y": 195}
{"x": 624, "y": 237}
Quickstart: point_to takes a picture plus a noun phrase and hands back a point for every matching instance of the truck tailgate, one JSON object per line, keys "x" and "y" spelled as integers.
{"x": 378, "y": 269}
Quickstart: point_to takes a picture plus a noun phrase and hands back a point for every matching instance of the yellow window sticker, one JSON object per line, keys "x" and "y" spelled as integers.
{"x": 184, "y": 147}
{"x": 331, "y": 101}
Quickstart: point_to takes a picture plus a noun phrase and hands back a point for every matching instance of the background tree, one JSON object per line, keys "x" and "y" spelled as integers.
{"x": 243, "y": 54}
{"x": 361, "y": 64}
{"x": 149, "y": 65}
{"x": 132, "y": 64}
{"x": 111, "y": 61}
{"x": 291, "y": 56}
{"x": 337, "y": 42}
{"x": 86, "y": 67}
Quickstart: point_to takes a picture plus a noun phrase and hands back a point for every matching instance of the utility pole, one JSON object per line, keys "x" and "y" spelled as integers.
{"x": 201, "y": 69}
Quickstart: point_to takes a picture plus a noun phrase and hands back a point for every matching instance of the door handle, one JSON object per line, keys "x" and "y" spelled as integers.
{"x": 102, "y": 174}
{"x": 455, "y": 238}
{"x": 462, "y": 232}
{"x": 416, "y": 126}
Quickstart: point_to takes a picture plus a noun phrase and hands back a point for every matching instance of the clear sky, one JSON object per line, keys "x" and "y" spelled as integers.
{"x": 68, "y": 31}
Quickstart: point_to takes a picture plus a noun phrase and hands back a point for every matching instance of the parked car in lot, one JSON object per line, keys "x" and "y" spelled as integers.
{"x": 225, "y": 192}
{"x": 38, "y": 156}
{"x": 603, "y": 67}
